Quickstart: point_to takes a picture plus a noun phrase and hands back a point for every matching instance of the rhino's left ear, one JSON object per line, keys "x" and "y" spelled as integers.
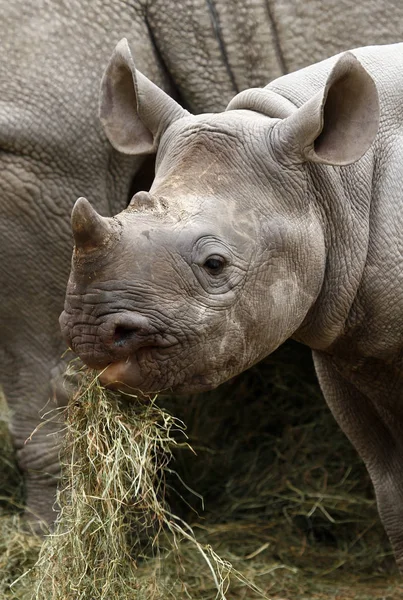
{"x": 133, "y": 110}
{"x": 337, "y": 125}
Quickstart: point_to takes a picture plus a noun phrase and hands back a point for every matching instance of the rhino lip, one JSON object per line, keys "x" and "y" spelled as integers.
{"x": 127, "y": 376}
{"x": 126, "y": 373}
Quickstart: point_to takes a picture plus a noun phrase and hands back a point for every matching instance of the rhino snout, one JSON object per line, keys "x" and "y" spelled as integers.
{"x": 118, "y": 336}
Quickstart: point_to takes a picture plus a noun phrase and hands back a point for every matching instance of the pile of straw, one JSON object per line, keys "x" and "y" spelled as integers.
{"x": 288, "y": 508}
{"x": 113, "y": 511}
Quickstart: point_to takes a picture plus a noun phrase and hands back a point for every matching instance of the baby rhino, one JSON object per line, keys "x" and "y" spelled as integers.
{"x": 280, "y": 217}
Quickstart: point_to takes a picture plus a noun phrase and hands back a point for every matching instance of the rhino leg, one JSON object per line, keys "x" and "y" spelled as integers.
{"x": 36, "y": 430}
{"x": 367, "y": 410}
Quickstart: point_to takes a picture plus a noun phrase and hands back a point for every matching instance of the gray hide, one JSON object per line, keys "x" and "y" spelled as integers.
{"x": 280, "y": 217}
{"x": 53, "y": 149}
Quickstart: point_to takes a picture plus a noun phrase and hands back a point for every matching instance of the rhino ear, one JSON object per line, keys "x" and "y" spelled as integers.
{"x": 133, "y": 110}
{"x": 337, "y": 125}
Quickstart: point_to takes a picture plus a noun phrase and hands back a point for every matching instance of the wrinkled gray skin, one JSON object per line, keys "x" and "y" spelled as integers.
{"x": 280, "y": 217}
{"x": 53, "y": 149}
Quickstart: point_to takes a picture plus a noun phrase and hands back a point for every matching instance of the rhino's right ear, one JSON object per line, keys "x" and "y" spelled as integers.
{"x": 133, "y": 110}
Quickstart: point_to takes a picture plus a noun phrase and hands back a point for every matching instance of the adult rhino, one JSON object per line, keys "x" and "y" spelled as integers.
{"x": 280, "y": 217}
{"x": 53, "y": 149}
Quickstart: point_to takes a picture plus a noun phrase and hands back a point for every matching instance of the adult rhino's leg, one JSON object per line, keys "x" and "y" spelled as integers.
{"x": 34, "y": 268}
{"x": 35, "y": 250}
{"x": 36, "y": 394}
{"x": 375, "y": 428}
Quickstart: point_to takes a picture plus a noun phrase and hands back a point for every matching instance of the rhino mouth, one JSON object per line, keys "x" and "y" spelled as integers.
{"x": 124, "y": 375}
{"x": 149, "y": 374}
{"x": 141, "y": 360}
{"x": 148, "y": 370}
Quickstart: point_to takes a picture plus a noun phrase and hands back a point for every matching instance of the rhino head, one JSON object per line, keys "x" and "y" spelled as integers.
{"x": 224, "y": 258}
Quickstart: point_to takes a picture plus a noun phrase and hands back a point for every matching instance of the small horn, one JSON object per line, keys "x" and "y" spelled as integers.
{"x": 90, "y": 230}
{"x": 264, "y": 101}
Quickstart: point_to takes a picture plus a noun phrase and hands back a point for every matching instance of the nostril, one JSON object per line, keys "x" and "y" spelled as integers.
{"x": 124, "y": 334}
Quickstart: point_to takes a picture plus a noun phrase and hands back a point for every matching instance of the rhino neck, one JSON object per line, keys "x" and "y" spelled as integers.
{"x": 342, "y": 200}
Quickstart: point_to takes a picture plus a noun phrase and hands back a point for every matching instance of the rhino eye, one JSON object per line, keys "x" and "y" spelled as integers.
{"x": 214, "y": 265}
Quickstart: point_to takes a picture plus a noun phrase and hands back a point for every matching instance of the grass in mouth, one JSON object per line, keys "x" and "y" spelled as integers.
{"x": 115, "y": 531}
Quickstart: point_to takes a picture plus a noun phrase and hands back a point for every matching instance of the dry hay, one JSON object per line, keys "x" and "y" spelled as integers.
{"x": 287, "y": 502}
{"x": 113, "y": 511}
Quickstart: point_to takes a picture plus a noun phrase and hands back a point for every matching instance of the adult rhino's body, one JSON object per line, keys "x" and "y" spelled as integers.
{"x": 281, "y": 217}
{"x": 53, "y": 149}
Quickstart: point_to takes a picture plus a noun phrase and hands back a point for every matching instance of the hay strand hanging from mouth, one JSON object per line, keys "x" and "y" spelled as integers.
{"x": 113, "y": 515}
